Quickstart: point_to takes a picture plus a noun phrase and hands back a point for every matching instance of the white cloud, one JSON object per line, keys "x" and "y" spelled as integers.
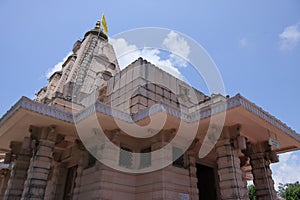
{"x": 57, "y": 67}
{"x": 243, "y": 42}
{"x": 121, "y": 46}
{"x": 288, "y": 168}
{"x": 178, "y": 47}
{"x": 127, "y": 53}
{"x": 290, "y": 37}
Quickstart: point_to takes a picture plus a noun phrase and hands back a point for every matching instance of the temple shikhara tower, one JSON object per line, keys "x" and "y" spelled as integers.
{"x": 68, "y": 143}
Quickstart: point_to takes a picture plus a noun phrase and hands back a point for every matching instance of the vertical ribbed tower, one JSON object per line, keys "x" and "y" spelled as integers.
{"x": 92, "y": 63}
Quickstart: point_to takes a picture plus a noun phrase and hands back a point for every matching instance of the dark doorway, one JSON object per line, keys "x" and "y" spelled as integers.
{"x": 206, "y": 182}
{"x": 70, "y": 182}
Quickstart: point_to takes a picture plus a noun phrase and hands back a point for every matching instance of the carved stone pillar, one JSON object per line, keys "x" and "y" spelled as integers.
{"x": 230, "y": 174}
{"x": 163, "y": 157}
{"x": 82, "y": 163}
{"x": 162, "y": 152}
{"x": 193, "y": 175}
{"x": 4, "y": 178}
{"x": 260, "y": 163}
{"x": 19, "y": 171}
{"x": 39, "y": 169}
{"x": 52, "y": 184}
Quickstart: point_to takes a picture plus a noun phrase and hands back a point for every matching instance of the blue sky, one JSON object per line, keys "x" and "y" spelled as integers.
{"x": 255, "y": 44}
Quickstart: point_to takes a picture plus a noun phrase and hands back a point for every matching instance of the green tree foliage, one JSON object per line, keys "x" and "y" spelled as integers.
{"x": 289, "y": 191}
{"x": 251, "y": 192}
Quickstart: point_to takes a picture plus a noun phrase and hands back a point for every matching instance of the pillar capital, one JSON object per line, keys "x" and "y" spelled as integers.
{"x": 261, "y": 150}
{"x": 18, "y": 148}
{"x": 259, "y": 147}
{"x": 230, "y": 132}
{"x": 15, "y": 147}
{"x": 43, "y": 133}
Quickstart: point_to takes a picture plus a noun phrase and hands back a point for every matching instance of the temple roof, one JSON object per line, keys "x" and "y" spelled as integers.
{"x": 235, "y": 104}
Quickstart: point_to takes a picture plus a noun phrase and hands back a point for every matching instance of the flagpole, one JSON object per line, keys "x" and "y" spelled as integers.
{"x": 99, "y": 28}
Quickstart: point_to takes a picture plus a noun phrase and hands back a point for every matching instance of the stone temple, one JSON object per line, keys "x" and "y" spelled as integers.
{"x": 68, "y": 143}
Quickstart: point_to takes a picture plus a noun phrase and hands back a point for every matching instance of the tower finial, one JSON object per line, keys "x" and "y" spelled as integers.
{"x": 98, "y": 24}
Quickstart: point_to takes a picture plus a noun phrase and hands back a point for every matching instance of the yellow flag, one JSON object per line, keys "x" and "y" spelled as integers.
{"x": 105, "y": 30}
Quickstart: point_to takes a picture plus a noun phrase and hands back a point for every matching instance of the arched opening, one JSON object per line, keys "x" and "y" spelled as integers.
{"x": 106, "y": 75}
